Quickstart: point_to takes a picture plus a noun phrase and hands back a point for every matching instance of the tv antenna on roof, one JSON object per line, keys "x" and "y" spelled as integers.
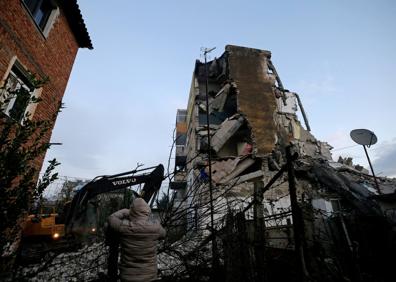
{"x": 205, "y": 51}
{"x": 365, "y": 138}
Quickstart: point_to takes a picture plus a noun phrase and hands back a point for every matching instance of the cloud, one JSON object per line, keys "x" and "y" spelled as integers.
{"x": 316, "y": 88}
{"x": 325, "y": 85}
{"x": 385, "y": 159}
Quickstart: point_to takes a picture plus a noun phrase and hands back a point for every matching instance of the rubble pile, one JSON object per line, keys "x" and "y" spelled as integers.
{"x": 181, "y": 259}
{"x": 176, "y": 260}
{"x": 86, "y": 264}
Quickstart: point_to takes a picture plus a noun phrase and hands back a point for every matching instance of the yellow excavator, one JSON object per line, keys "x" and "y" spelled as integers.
{"x": 44, "y": 224}
{"x": 46, "y": 231}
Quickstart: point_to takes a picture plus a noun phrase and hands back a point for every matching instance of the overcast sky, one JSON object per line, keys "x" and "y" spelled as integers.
{"x": 122, "y": 97}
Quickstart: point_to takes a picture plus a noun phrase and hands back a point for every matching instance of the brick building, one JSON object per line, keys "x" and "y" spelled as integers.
{"x": 41, "y": 37}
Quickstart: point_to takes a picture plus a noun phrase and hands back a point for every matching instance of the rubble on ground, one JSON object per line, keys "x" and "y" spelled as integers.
{"x": 86, "y": 264}
{"x": 181, "y": 258}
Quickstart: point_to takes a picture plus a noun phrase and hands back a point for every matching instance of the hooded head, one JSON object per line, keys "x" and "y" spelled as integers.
{"x": 139, "y": 208}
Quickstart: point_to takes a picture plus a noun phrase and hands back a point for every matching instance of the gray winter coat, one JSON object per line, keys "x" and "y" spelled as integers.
{"x": 139, "y": 239}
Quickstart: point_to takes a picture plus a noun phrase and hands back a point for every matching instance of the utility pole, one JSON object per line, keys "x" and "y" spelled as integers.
{"x": 259, "y": 229}
{"x": 297, "y": 216}
{"x": 214, "y": 243}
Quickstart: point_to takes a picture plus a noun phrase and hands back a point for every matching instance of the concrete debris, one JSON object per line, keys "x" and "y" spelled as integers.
{"x": 289, "y": 104}
{"x": 221, "y": 169}
{"x": 226, "y": 131}
{"x": 249, "y": 177}
{"x": 225, "y": 170}
{"x": 90, "y": 263}
{"x": 242, "y": 166}
{"x": 178, "y": 259}
{"x": 348, "y": 162}
{"x": 220, "y": 99}
{"x": 86, "y": 264}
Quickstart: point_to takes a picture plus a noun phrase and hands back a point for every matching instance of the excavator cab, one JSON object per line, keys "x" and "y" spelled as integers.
{"x": 42, "y": 233}
{"x": 43, "y": 225}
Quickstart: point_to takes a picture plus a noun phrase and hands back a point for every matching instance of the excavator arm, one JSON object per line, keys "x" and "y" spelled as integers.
{"x": 103, "y": 184}
{"x": 75, "y": 222}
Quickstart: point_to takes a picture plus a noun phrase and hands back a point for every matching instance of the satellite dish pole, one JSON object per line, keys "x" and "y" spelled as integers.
{"x": 365, "y": 138}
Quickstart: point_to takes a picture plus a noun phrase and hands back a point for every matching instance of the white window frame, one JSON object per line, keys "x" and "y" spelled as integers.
{"x": 31, "y": 107}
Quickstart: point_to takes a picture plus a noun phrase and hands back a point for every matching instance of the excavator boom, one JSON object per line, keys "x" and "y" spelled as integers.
{"x": 103, "y": 184}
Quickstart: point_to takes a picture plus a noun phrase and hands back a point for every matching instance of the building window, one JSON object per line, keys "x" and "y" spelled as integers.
{"x": 41, "y": 11}
{"x": 16, "y": 93}
{"x": 336, "y": 205}
{"x": 181, "y": 116}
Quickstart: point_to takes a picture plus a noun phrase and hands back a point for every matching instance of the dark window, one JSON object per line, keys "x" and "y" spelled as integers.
{"x": 16, "y": 93}
{"x": 181, "y": 116}
{"x": 40, "y": 11}
{"x": 181, "y": 138}
{"x": 336, "y": 205}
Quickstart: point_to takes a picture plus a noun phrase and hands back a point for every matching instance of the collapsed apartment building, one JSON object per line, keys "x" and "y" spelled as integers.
{"x": 320, "y": 220}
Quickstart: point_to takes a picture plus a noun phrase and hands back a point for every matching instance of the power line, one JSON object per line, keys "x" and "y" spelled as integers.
{"x": 371, "y": 148}
{"x": 343, "y": 148}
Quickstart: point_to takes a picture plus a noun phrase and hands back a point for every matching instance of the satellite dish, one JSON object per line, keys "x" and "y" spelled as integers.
{"x": 363, "y": 137}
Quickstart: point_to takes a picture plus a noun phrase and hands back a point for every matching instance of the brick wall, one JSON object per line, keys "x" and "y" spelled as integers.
{"x": 256, "y": 99}
{"x": 51, "y": 57}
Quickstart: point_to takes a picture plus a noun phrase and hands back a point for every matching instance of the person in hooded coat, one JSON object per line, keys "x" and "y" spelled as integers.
{"x": 138, "y": 237}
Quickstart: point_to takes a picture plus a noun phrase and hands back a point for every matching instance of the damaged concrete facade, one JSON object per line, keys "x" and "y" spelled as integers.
{"x": 253, "y": 118}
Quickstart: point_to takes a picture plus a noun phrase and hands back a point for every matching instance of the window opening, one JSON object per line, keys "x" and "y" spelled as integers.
{"x": 16, "y": 93}
{"x": 40, "y": 11}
